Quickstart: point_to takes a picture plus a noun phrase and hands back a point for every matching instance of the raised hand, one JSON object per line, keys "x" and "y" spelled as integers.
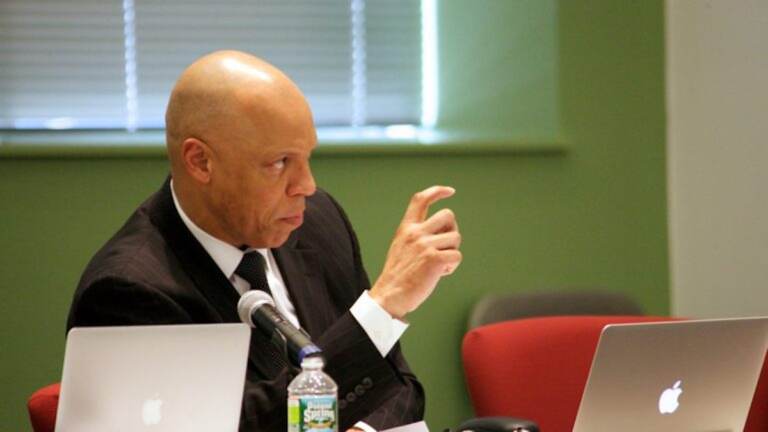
{"x": 422, "y": 251}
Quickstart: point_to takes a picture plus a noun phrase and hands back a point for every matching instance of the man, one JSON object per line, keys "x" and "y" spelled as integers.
{"x": 239, "y": 138}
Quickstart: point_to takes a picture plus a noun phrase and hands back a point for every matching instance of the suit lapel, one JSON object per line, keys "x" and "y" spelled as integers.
{"x": 303, "y": 279}
{"x": 194, "y": 260}
{"x": 207, "y": 276}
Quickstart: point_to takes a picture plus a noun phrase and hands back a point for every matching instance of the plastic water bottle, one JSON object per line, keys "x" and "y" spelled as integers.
{"x": 312, "y": 398}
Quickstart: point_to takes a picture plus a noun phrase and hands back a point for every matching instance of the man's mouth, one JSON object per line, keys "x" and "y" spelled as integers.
{"x": 295, "y": 219}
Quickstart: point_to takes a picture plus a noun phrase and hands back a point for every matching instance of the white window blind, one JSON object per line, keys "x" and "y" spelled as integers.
{"x": 91, "y": 64}
{"x": 61, "y": 64}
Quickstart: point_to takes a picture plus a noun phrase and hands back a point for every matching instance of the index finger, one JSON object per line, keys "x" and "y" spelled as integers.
{"x": 420, "y": 202}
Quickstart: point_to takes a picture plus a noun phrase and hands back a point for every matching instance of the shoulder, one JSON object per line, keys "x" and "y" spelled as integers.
{"x": 331, "y": 248}
{"x": 135, "y": 278}
{"x": 135, "y": 248}
{"x": 325, "y": 220}
{"x": 322, "y": 205}
{"x": 137, "y": 255}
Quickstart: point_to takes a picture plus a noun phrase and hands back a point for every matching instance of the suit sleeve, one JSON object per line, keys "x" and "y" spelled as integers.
{"x": 406, "y": 403}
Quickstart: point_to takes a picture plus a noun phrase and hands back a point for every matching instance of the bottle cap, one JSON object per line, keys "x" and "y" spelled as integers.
{"x": 312, "y": 362}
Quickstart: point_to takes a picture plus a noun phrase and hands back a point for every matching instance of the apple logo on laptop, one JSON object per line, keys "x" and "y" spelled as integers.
{"x": 668, "y": 401}
{"x": 151, "y": 411}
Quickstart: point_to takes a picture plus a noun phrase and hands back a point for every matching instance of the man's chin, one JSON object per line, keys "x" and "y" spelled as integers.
{"x": 273, "y": 241}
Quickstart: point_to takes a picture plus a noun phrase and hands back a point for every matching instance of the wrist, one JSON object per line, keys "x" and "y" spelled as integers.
{"x": 386, "y": 303}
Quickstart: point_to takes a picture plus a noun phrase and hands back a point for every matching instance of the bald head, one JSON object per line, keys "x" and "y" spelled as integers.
{"x": 223, "y": 90}
{"x": 240, "y": 135}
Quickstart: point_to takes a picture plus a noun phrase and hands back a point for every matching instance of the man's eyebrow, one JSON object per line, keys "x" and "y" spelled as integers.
{"x": 287, "y": 153}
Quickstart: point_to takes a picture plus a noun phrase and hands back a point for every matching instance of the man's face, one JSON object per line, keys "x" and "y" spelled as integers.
{"x": 261, "y": 177}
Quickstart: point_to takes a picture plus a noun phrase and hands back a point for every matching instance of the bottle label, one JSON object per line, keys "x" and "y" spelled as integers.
{"x": 312, "y": 414}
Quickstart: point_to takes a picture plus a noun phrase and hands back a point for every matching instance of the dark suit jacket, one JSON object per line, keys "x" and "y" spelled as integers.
{"x": 153, "y": 271}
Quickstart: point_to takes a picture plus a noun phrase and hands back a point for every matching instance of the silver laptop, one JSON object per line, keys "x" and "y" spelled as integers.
{"x": 674, "y": 376}
{"x": 156, "y": 378}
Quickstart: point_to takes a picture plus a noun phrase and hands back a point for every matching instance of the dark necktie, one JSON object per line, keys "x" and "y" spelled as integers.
{"x": 251, "y": 268}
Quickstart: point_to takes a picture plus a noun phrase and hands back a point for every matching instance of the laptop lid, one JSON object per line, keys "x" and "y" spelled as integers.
{"x": 674, "y": 376}
{"x": 159, "y": 378}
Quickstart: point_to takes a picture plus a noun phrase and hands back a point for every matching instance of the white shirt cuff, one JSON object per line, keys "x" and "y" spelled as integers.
{"x": 379, "y": 325}
{"x": 365, "y": 427}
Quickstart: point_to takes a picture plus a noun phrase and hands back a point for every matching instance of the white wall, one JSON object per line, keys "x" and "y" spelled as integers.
{"x": 717, "y": 99}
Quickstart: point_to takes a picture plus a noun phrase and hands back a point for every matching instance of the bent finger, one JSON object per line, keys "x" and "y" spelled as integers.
{"x": 450, "y": 259}
{"x": 420, "y": 202}
{"x": 442, "y": 221}
{"x": 444, "y": 241}
{"x": 450, "y": 268}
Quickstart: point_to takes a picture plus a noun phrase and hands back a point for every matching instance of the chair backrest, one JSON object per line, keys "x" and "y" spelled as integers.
{"x": 42, "y": 406}
{"x": 500, "y": 307}
{"x": 537, "y": 369}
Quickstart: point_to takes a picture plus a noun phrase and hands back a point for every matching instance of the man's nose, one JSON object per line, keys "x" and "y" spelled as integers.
{"x": 304, "y": 182}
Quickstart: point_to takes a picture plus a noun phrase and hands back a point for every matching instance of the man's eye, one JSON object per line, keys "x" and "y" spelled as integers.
{"x": 279, "y": 164}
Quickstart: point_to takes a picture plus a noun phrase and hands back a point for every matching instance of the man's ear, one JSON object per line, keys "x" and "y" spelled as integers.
{"x": 196, "y": 156}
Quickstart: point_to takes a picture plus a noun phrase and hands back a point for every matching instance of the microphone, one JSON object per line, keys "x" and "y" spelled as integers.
{"x": 257, "y": 309}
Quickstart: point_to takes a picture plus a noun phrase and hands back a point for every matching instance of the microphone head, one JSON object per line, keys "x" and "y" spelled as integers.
{"x": 249, "y": 302}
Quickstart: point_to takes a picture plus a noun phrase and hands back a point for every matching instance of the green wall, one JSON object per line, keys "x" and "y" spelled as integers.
{"x": 592, "y": 213}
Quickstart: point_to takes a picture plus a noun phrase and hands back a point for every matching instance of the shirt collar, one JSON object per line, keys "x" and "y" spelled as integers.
{"x": 226, "y": 256}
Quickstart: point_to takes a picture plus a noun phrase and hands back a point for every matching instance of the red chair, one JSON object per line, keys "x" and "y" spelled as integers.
{"x": 42, "y": 407}
{"x": 512, "y": 368}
